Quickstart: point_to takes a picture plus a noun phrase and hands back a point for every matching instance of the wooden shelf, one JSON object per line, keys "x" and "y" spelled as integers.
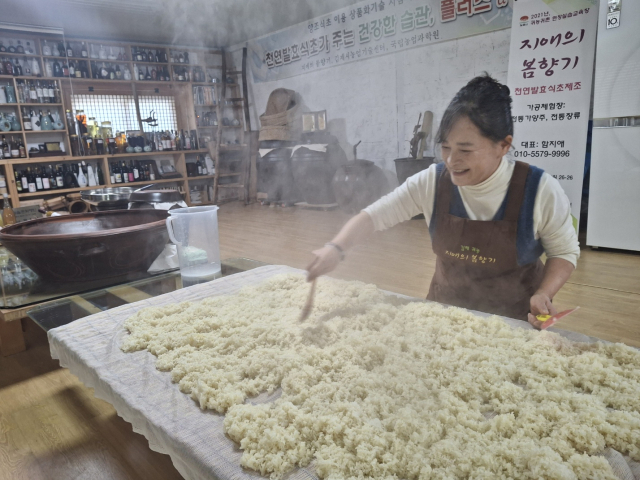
{"x": 233, "y": 147}
{"x": 141, "y": 63}
{"x": 58, "y": 191}
{"x": 87, "y": 59}
{"x": 13, "y": 132}
{"x": 230, "y": 185}
{"x": 146, "y": 182}
{"x": 7, "y": 54}
{"x": 55, "y": 159}
{"x": 38, "y": 104}
{"x": 206, "y": 84}
{"x": 229, "y": 174}
{"x": 201, "y": 177}
{"x": 46, "y": 131}
{"x": 234, "y": 72}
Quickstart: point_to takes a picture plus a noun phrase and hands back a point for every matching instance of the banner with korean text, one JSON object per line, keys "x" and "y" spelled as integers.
{"x": 369, "y": 29}
{"x": 550, "y": 72}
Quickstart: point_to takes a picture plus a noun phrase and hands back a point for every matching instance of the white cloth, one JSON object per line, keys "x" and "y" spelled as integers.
{"x": 170, "y": 420}
{"x": 316, "y": 147}
{"x": 552, "y": 221}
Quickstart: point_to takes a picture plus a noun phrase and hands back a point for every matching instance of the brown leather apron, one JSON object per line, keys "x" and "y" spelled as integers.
{"x": 477, "y": 261}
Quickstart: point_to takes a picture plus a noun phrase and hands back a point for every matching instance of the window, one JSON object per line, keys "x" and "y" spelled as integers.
{"x": 120, "y": 110}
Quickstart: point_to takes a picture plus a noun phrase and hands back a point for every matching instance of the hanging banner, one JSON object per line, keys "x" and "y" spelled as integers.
{"x": 550, "y": 73}
{"x": 370, "y": 29}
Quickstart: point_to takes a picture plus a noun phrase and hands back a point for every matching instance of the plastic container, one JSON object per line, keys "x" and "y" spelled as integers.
{"x": 194, "y": 230}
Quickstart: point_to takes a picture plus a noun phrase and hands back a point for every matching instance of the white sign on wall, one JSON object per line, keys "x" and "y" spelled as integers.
{"x": 550, "y": 73}
{"x": 368, "y": 29}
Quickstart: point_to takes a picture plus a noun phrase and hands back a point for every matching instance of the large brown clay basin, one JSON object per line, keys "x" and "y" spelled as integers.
{"x": 89, "y": 246}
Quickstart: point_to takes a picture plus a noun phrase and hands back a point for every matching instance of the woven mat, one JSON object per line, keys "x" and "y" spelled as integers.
{"x": 172, "y": 422}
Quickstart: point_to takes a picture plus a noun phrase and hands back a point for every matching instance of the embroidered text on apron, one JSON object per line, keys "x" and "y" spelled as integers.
{"x": 477, "y": 261}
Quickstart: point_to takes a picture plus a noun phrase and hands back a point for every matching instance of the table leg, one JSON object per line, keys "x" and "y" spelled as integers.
{"x": 11, "y": 337}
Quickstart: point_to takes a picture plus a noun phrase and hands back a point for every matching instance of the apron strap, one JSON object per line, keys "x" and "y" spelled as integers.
{"x": 515, "y": 194}
{"x": 443, "y": 199}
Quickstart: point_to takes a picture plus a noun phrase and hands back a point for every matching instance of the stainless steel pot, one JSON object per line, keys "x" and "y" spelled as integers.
{"x": 101, "y": 199}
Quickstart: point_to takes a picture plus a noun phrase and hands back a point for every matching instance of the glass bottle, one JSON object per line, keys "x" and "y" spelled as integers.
{"x": 19, "y": 48}
{"x": 48, "y": 68}
{"x": 35, "y": 121}
{"x": 83, "y": 50}
{"x": 11, "y": 48}
{"x": 8, "y": 216}
{"x": 61, "y": 50}
{"x": 3, "y": 49}
{"x": 45, "y": 121}
{"x": 26, "y": 120}
{"x": 102, "y": 53}
{"x": 57, "y": 70}
{"x": 10, "y": 93}
{"x": 69, "y": 50}
{"x": 65, "y": 69}
{"x": 127, "y": 73}
{"x": 46, "y": 49}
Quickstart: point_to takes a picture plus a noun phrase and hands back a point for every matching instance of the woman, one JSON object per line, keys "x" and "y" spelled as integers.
{"x": 490, "y": 218}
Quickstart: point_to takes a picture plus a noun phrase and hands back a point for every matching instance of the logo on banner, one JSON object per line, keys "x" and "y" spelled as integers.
{"x": 524, "y": 21}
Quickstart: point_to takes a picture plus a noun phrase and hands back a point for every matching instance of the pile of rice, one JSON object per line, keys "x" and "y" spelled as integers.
{"x": 372, "y": 388}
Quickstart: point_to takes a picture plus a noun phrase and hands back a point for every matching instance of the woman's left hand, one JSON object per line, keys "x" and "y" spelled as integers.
{"x": 540, "y": 304}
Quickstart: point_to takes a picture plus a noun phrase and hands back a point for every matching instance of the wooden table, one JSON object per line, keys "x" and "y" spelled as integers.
{"x": 61, "y": 306}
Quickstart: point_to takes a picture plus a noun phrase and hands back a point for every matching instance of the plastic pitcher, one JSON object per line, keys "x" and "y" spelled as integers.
{"x": 194, "y": 230}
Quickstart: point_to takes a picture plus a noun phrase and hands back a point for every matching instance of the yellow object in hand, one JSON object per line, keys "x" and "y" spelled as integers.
{"x": 543, "y": 318}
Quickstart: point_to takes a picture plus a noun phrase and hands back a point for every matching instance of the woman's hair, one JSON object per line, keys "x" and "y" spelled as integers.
{"x": 487, "y": 103}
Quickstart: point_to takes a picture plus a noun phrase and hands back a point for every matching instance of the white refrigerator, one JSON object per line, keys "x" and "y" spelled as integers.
{"x": 614, "y": 191}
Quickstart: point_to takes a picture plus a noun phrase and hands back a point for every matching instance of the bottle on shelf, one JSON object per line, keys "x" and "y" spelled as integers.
{"x": 17, "y": 69}
{"x": 19, "y": 47}
{"x": 6, "y": 150}
{"x": 147, "y": 77}
{"x": 69, "y": 50}
{"x": 19, "y": 182}
{"x": 130, "y": 172}
{"x": 11, "y": 48}
{"x": 8, "y": 215}
{"x": 136, "y": 172}
{"x": 38, "y": 180}
{"x": 99, "y": 175}
{"x": 65, "y": 69}
{"x": 46, "y": 49}
{"x": 35, "y": 67}
{"x": 57, "y": 69}
{"x": 83, "y": 50}
{"x": 46, "y": 183}
{"x": 199, "y": 165}
{"x": 127, "y": 73}
{"x": 21, "y": 149}
{"x": 90, "y": 176}
{"x": 124, "y": 172}
{"x": 117, "y": 174}
{"x": 82, "y": 179}
{"x": 72, "y": 68}
{"x": 59, "y": 177}
{"x": 14, "y": 149}
{"x": 31, "y": 181}
{"x": 102, "y": 53}
{"x": 8, "y": 66}
{"x": 52, "y": 179}
{"x": 61, "y": 50}
{"x": 26, "y": 120}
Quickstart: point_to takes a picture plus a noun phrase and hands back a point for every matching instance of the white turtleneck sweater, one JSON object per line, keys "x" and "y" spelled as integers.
{"x": 552, "y": 222}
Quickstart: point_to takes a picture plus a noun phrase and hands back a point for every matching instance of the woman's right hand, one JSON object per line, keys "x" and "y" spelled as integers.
{"x": 326, "y": 260}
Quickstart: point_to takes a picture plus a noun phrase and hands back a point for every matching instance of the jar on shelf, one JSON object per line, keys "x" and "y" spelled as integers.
{"x": 75, "y": 145}
{"x": 106, "y": 131}
{"x": 88, "y": 144}
{"x": 92, "y": 127}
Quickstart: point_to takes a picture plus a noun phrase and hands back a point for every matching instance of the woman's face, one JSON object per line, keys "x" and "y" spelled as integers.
{"x": 470, "y": 157}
